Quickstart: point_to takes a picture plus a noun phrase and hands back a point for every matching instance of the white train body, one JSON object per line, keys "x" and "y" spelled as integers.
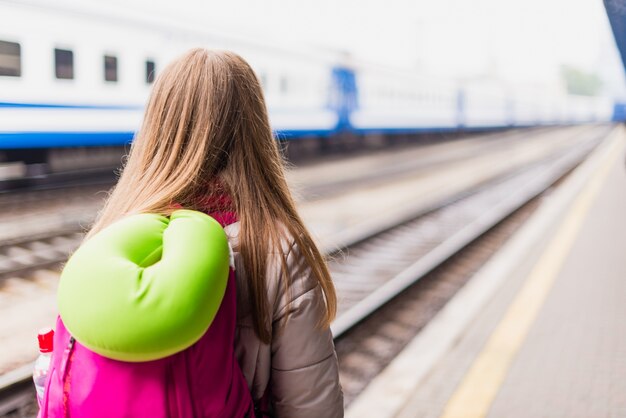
{"x": 308, "y": 93}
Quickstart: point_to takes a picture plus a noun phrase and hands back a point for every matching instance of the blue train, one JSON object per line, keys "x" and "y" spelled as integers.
{"x": 59, "y": 90}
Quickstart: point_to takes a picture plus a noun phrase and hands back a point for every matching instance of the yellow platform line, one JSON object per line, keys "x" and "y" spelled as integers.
{"x": 478, "y": 389}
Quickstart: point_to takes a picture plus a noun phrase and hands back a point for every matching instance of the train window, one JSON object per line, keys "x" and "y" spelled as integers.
{"x": 10, "y": 59}
{"x": 150, "y": 71}
{"x": 110, "y": 68}
{"x": 64, "y": 64}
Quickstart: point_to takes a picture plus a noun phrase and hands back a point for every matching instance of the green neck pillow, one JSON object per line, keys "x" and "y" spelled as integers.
{"x": 147, "y": 286}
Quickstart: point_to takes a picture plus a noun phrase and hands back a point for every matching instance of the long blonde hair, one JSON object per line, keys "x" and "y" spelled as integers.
{"x": 206, "y": 119}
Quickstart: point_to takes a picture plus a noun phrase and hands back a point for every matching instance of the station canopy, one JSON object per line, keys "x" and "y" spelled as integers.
{"x": 616, "y": 10}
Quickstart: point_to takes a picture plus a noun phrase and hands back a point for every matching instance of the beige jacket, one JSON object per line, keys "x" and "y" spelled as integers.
{"x": 300, "y": 365}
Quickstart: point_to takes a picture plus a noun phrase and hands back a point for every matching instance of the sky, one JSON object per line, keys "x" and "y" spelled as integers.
{"x": 520, "y": 41}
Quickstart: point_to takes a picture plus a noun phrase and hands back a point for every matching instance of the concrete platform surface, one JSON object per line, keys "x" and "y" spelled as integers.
{"x": 573, "y": 360}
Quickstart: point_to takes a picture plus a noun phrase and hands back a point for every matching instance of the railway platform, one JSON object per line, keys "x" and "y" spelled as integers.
{"x": 539, "y": 331}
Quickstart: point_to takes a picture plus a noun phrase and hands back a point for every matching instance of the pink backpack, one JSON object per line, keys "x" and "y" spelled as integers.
{"x": 201, "y": 381}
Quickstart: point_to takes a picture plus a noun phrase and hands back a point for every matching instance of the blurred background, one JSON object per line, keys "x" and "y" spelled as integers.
{"x": 432, "y": 129}
{"x": 553, "y": 43}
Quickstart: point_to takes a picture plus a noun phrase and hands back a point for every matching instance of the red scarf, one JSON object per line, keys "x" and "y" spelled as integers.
{"x": 217, "y": 203}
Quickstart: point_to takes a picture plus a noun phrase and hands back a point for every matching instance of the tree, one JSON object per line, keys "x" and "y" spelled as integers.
{"x": 581, "y": 82}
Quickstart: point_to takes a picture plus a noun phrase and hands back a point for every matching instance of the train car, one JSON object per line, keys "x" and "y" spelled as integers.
{"x": 485, "y": 104}
{"x": 394, "y": 101}
{"x": 391, "y": 101}
{"x": 79, "y": 76}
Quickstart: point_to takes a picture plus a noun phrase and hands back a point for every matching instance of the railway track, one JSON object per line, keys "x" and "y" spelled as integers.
{"x": 57, "y": 197}
{"x": 29, "y": 200}
{"x": 56, "y": 181}
{"x": 373, "y": 273}
{"x": 369, "y": 346}
{"x": 424, "y": 262}
{"x": 79, "y": 169}
{"x": 383, "y": 265}
{"x": 399, "y": 163}
{"x": 29, "y": 193}
{"x": 20, "y": 256}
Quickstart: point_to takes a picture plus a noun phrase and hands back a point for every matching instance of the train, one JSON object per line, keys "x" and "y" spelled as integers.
{"x": 78, "y": 75}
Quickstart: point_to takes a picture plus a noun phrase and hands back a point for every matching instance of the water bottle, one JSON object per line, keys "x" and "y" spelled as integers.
{"x": 42, "y": 364}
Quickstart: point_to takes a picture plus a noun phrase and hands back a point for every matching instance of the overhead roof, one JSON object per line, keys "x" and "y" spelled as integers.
{"x": 616, "y": 10}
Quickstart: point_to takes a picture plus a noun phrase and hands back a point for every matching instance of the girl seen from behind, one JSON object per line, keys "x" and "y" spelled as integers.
{"x": 206, "y": 144}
